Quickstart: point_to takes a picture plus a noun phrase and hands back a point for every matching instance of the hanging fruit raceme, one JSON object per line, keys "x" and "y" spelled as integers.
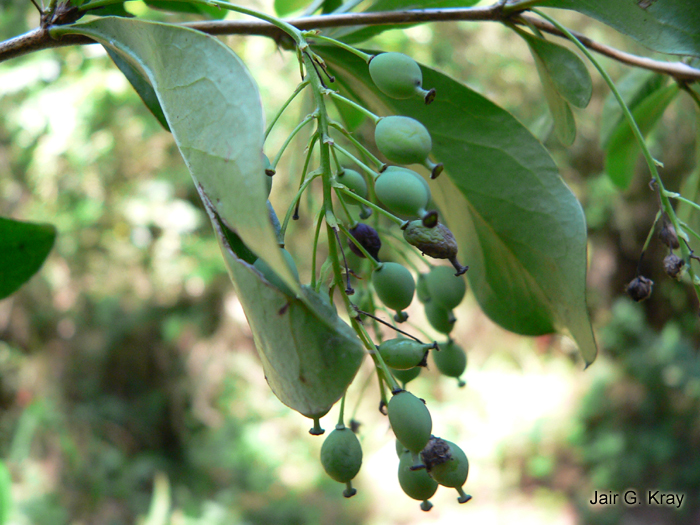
{"x": 398, "y": 76}
{"x": 444, "y": 287}
{"x": 402, "y": 353}
{"x": 410, "y": 420}
{"x": 341, "y": 457}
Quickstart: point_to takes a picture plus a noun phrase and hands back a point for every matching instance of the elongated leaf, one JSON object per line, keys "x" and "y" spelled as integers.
{"x": 519, "y": 227}
{"x": 308, "y": 353}
{"x": 24, "y": 247}
{"x": 141, "y": 85}
{"x": 210, "y": 11}
{"x": 213, "y": 108}
{"x": 564, "y": 122}
{"x": 623, "y": 150}
{"x": 566, "y": 70}
{"x": 287, "y": 7}
{"x": 634, "y": 87}
{"x": 669, "y": 26}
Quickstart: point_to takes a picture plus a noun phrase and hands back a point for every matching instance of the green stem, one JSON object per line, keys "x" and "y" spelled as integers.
{"x": 298, "y": 90}
{"x": 319, "y": 221}
{"x": 358, "y": 107}
{"x": 357, "y": 161}
{"x": 314, "y": 34}
{"x": 292, "y": 206}
{"x": 690, "y": 230}
{"x": 291, "y": 136}
{"x": 372, "y": 205}
{"x": 357, "y": 143}
{"x": 679, "y": 197}
{"x": 341, "y": 416}
{"x": 665, "y": 203}
{"x": 347, "y": 213}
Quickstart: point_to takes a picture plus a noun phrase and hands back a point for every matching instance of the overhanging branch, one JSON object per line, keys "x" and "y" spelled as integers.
{"x": 39, "y": 39}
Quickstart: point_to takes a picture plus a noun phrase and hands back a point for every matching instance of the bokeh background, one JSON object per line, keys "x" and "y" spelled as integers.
{"x": 130, "y": 390}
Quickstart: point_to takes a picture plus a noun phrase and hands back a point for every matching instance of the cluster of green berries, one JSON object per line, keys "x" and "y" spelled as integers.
{"x": 425, "y": 460}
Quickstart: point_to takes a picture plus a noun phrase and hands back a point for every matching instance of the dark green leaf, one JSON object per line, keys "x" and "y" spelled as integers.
{"x": 566, "y": 70}
{"x": 24, "y": 247}
{"x": 140, "y": 83}
{"x": 634, "y": 87}
{"x": 308, "y": 353}
{"x": 623, "y": 150}
{"x": 211, "y": 11}
{"x": 669, "y": 26}
{"x": 213, "y": 108}
{"x": 519, "y": 227}
{"x": 287, "y": 7}
{"x": 111, "y": 10}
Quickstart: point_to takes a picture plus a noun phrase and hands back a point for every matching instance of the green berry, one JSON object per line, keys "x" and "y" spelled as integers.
{"x": 398, "y": 76}
{"x": 422, "y": 291}
{"x": 406, "y": 376}
{"x": 451, "y": 360}
{"x": 447, "y": 464}
{"x": 341, "y": 457}
{"x": 446, "y": 288}
{"x": 417, "y": 484}
{"x": 410, "y": 420}
{"x": 403, "y": 140}
{"x": 402, "y": 353}
{"x": 394, "y": 285}
{"x": 401, "y": 191}
{"x": 400, "y": 449}
{"x": 355, "y": 182}
{"x": 273, "y": 278}
{"x": 442, "y": 320}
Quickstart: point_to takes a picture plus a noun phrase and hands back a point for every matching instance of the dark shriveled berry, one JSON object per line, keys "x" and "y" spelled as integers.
{"x": 668, "y": 236}
{"x": 437, "y": 242}
{"x": 368, "y": 238}
{"x": 639, "y": 288}
{"x": 674, "y": 266}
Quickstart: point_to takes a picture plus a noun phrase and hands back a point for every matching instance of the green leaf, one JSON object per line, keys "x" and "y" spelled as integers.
{"x": 141, "y": 85}
{"x": 519, "y": 227}
{"x": 623, "y": 150}
{"x": 287, "y": 7}
{"x": 669, "y": 26}
{"x": 213, "y": 108}
{"x": 357, "y": 34}
{"x": 5, "y": 492}
{"x": 564, "y": 122}
{"x": 211, "y": 11}
{"x": 309, "y": 355}
{"x": 24, "y": 247}
{"x": 634, "y": 87}
{"x": 110, "y": 10}
{"x": 566, "y": 70}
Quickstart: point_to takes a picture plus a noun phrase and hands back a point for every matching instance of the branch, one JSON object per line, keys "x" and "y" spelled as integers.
{"x": 39, "y": 39}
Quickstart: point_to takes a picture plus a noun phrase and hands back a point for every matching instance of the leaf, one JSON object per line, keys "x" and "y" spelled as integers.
{"x": 213, "y": 108}
{"x": 623, "y": 150}
{"x": 287, "y": 7}
{"x": 633, "y": 87}
{"x": 141, "y": 85}
{"x": 309, "y": 355}
{"x": 117, "y": 9}
{"x": 564, "y": 122}
{"x": 24, "y": 247}
{"x": 566, "y": 70}
{"x": 669, "y": 26}
{"x": 355, "y": 34}
{"x": 519, "y": 227}
{"x": 211, "y": 11}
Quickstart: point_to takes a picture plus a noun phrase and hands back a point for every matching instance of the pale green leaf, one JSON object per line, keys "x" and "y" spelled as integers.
{"x": 213, "y": 108}
{"x": 519, "y": 228}
{"x": 623, "y": 149}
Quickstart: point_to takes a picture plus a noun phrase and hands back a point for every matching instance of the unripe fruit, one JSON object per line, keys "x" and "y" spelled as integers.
{"x": 406, "y": 376}
{"x": 368, "y": 238}
{"x": 402, "y": 193}
{"x": 268, "y": 174}
{"x": 442, "y": 320}
{"x": 417, "y": 484}
{"x": 273, "y": 278}
{"x": 394, "y": 285}
{"x": 435, "y": 241}
{"x": 341, "y": 457}
{"x": 410, "y": 420}
{"x": 451, "y": 360}
{"x": 398, "y": 76}
{"x": 402, "y": 353}
{"x": 422, "y": 291}
{"x": 444, "y": 287}
{"x": 403, "y": 140}
{"x": 447, "y": 464}
{"x": 354, "y": 182}
{"x": 400, "y": 449}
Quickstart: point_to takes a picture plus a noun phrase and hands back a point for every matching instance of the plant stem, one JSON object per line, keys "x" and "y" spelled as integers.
{"x": 317, "y": 234}
{"x": 347, "y": 101}
{"x": 357, "y": 143}
{"x": 665, "y": 203}
{"x": 316, "y": 36}
{"x": 678, "y": 196}
{"x": 296, "y": 130}
{"x": 357, "y": 161}
{"x": 372, "y": 205}
{"x": 298, "y": 90}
